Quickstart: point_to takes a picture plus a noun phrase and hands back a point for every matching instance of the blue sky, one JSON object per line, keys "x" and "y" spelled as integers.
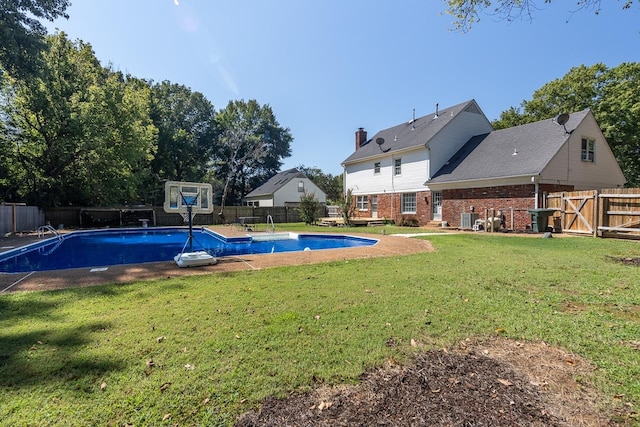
{"x": 327, "y": 67}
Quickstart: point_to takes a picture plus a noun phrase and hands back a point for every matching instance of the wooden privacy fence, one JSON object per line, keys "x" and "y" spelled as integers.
{"x": 17, "y": 217}
{"x": 601, "y": 213}
{"x": 72, "y": 217}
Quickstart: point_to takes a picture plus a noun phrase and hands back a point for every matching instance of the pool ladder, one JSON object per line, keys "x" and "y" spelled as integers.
{"x": 42, "y": 230}
{"x": 273, "y": 227}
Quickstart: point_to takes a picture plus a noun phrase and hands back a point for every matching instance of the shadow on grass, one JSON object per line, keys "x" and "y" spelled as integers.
{"x": 53, "y": 353}
{"x": 49, "y": 357}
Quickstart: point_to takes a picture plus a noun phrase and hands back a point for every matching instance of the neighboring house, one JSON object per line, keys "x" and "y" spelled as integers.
{"x": 437, "y": 167}
{"x": 284, "y": 189}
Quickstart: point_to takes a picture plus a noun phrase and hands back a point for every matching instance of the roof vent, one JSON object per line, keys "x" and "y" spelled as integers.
{"x": 436, "y": 115}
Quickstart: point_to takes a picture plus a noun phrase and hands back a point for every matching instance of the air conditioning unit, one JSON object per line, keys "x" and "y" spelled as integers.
{"x": 467, "y": 219}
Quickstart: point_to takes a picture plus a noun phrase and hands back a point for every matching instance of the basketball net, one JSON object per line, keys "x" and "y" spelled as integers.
{"x": 185, "y": 216}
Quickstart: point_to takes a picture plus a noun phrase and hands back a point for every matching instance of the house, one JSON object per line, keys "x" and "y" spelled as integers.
{"x": 436, "y": 168}
{"x": 284, "y": 189}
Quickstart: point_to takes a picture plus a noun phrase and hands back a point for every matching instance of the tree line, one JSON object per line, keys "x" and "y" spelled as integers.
{"x": 74, "y": 132}
{"x": 79, "y": 133}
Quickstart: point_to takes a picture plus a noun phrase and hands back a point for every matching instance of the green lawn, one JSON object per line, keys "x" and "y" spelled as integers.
{"x": 205, "y": 349}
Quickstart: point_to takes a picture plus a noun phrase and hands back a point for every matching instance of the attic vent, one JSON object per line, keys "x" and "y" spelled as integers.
{"x": 473, "y": 108}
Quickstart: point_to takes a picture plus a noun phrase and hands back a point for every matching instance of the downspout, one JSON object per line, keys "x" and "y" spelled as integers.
{"x": 536, "y": 191}
{"x": 393, "y": 191}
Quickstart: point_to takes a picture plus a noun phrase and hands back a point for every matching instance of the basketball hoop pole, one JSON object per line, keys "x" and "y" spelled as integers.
{"x": 190, "y": 229}
{"x": 189, "y": 210}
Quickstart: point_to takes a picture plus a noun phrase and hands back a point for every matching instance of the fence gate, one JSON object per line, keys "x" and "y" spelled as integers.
{"x": 578, "y": 211}
{"x": 602, "y": 213}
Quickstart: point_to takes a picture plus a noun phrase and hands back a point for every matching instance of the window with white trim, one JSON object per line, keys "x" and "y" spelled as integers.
{"x": 376, "y": 168}
{"x": 588, "y": 150}
{"x": 362, "y": 203}
{"x": 397, "y": 166}
{"x": 409, "y": 203}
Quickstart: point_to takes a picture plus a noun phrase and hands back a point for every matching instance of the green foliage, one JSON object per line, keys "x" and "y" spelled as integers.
{"x": 22, "y": 34}
{"x": 347, "y": 206}
{"x": 207, "y": 348}
{"x": 612, "y": 96}
{"x": 309, "y": 206}
{"x": 186, "y": 134}
{"x": 250, "y": 147}
{"x": 331, "y": 185}
{"x": 467, "y": 12}
{"x": 82, "y": 132}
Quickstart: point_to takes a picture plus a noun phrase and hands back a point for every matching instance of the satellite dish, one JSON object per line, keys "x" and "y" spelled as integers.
{"x": 562, "y": 119}
{"x": 380, "y": 141}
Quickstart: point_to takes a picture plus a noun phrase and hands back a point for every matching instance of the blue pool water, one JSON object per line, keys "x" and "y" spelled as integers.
{"x": 100, "y": 248}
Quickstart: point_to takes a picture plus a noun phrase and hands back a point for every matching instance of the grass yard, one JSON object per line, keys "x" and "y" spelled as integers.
{"x": 202, "y": 350}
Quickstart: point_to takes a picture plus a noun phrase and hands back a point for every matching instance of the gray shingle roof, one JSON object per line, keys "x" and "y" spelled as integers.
{"x": 516, "y": 151}
{"x": 276, "y": 182}
{"x": 410, "y": 134}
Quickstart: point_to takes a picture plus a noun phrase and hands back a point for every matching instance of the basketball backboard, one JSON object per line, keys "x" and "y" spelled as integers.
{"x": 179, "y": 195}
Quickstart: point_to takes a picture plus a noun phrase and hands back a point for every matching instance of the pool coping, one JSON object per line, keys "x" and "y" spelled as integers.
{"x": 81, "y": 277}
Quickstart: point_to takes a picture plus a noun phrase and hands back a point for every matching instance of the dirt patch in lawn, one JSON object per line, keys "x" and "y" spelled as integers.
{"x": 626, "y": 260}
{"x": 493, "y": 383}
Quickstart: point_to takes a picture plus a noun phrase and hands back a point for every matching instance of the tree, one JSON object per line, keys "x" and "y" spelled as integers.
{"x": 611, "y": 94}
{"x": 308, "y": 208}
{"x": 81, "y": 133}
{"x": 250, "y": 147}
{"x": 186, "y": 133}
{"x": 22, "y": 34}
{"x": 467, "y": 12}
{"x": 347, "y": 207}
{"x": 331, "y": 185}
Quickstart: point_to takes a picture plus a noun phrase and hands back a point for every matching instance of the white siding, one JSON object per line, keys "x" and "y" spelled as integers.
{"x": 567, "y": 166}
{"x": 417, "y": 165}
{"x": 361, "y": 179}
{"x": 289, "y": 192}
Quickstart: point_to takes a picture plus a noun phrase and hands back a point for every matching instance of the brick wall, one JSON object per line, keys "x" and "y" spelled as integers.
{"x": 514, "y": 201}
{"x": 390, "y": 207}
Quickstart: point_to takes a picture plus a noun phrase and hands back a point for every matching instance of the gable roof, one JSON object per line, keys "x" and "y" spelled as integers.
{"x": 276, "y": 182}
{"x": 517, "y": 151}
{"x": 411, "y": 134}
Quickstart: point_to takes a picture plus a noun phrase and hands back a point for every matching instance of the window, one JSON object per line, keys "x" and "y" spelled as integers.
{"x": 300, "y": 186}
{"x": 397, "y": 166}
{"x": 362, "y": 203}
{"x": 588, "y": 150}
{"x": 376, "y": 168}
{"x": 408, "y": 202}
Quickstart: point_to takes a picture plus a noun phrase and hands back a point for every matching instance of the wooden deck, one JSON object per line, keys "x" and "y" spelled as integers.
{"x": 339, "y": 222}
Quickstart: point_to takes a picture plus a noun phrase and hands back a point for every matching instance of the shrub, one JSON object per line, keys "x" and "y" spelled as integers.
{"x": 309, "y": 206}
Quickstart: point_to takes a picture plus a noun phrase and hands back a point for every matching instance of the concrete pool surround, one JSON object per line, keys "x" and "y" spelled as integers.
{"x": 60, "y": 279}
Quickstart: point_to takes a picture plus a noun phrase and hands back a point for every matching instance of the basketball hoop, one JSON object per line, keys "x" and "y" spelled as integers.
{"x": 189, "y": 199}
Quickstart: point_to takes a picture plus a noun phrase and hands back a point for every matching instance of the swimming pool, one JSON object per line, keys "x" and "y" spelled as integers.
{"x": 102, "y": 248}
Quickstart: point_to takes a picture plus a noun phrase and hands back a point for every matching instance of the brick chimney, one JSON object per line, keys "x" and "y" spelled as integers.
{"x": 361, "y": 137}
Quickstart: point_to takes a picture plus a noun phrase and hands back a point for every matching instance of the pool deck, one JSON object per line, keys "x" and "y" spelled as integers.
{"x": 61, "y": 279}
